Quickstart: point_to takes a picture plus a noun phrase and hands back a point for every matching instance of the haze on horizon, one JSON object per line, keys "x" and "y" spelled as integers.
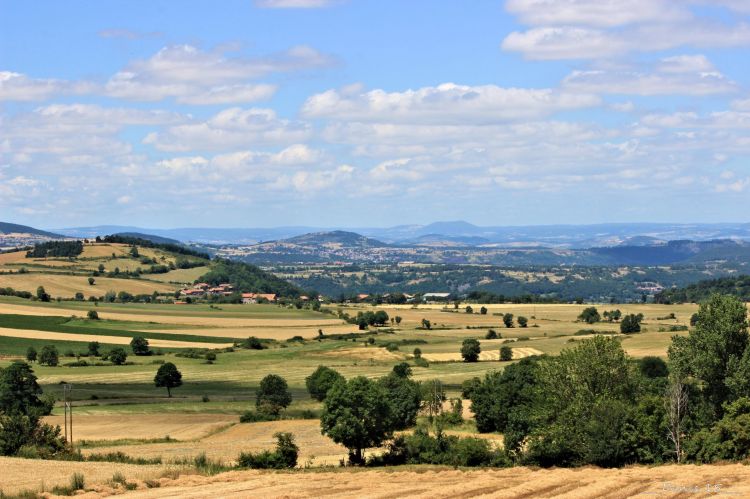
{"x": 365, "y": 113}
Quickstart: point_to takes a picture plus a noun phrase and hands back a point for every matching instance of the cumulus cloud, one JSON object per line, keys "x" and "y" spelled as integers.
{"x": 678, "y": 75}
{"x": 231, "y": 128}
{"x": 20, "y": 87}
{"x": 447, "y": 103}
{"x": 596, "y": 29}
{"x": 194, "y": 76}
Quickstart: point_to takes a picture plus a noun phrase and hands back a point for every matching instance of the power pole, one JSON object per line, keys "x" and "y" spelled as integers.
{"x": 68, "y": 408}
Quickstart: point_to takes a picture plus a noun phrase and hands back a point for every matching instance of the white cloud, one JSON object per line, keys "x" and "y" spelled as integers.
{"x": 447, "y": 103}
{"x": 602, "y": 13}
{"x": 678, "y": 75}
{"x": 19, "y": 87}
{"x": 231, "y": 129}
{"x": 194, "y": 76}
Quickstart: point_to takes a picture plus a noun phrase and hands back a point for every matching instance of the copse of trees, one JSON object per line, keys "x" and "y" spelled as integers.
{"x": 61, "y": 249}
{"x": 631, "y": 323}
{"x": 49, "y": 356}
{"x": 248, "y": 279}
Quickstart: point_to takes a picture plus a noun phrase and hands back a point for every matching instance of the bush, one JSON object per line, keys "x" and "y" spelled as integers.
{"x": 417, "y": 353}
{"x": 590, "y": 315}
{"x": 285, "y": 455}
{"x": 31, "y": 354}
{"x": 117, "y": 356}
{"x": 491, "y": 335}
{"x": 257, "y": 417}
{"x": 470, "y": 350}
{"x": 421, "y": 362}
{"x": 253, "y": 343}
{"x": 631, "y": 323}
{"x": 139, "y": 345}
{"x": 391, "y": 347}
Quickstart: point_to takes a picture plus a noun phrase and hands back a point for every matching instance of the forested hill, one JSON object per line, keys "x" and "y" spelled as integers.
{"x": 248, "y": 279}
{"x": 737, "y": 286}
{"x": 8, "y": 228}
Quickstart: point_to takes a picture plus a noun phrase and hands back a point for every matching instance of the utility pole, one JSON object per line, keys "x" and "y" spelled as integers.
{"x": 68, "y": 408}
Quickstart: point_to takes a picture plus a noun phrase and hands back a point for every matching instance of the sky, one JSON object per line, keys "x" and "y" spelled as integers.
{"x": 352, "y": 113}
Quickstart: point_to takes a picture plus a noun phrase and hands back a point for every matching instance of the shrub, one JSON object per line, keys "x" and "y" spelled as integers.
{"x": 256, "y": 417}
{"x": 284, "y": 456}
{"x": 139, "y": 345}
{"x": 31, "y": 354}
{"x": 391, "y": 347}
{"x": 417, "y": 353}
{"x": 117, "y": 356}
{"x": 253, "y": 343}
{"x": 93, "y": 315}
{"x": 421, "y": 362}
{"x": 491, "y": 335}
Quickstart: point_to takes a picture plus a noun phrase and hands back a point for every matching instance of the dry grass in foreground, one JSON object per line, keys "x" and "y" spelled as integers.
{"x": 583, "y": 483}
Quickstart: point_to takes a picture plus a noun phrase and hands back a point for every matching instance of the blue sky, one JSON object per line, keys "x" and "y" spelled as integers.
{"x": 359, "y": 112}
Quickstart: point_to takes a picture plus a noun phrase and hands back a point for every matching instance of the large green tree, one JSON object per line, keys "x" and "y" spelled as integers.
{"x": 168, "y": 376}
{"x": 358, "y": 415}
{"x": 320, "y": 381}
{"x": 713, "y": 353}
{"x": 273, "y": 395}
{"x": 405, "y": 397}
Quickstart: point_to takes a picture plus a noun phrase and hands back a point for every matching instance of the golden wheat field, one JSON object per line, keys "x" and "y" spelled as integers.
{"x": 68, "y": 285}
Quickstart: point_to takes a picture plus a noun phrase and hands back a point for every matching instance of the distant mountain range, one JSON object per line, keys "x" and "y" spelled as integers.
{"x": 454, "y": 233}
{"x": 8, "y": 228}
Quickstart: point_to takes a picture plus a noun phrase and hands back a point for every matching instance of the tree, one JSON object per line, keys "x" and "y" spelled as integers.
{"x": 167, "y": 376}
{"x": 612, "y": 315}
{"x": 49, "y": 356}
{"x": 508, "y": 320}
{"x": 630, "y": 324}
{"x": 134, "y": 251}
{"x": 273, "y": 395}
{"x": 417, "y": 353}
{"x": 93, "y": 315}
{"x": 405, "y": 397}
{"x": 358, "y": 415}
{"x": 402, "y": 370}
{"x": 590, "y": 315}
{"x": 470, "y": 350}
{"x": 31, "y": 354}
{"x": 398, "y": 320}
{"x": 320, "y": 381}
{"x": 79, "y": 296}
{"x": 101, "y": 268}
{"x": 118, "y": 356}
{"x": 676, "y": 402}
{"x": 491, "y": 335}
{"x": 380, "y": 318}
{"x": 693, "y": 320}
{"x": 469, "y": 310}
{"x": 426, "y": 324}
{"x": 41, "y": 294}
{"x": 139, "y": 345}
{"x": 483, "y": 310}
{"x": 93, "y": 349}
{"x": 712, "y": 352}
{"x": 91, "y": 281}
{"x": 506, "y": 353}
{"x": 523, "y": 321}
{"x": 654, "y": 367}
{"x": 19, "y": 392}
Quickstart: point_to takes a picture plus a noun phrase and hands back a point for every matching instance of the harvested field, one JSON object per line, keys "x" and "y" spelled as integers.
{"x": 145, "y": 426}
{"x": 272, "y": 333}
{"x": 582, "y": 483}
{"x": 226, "y": 445}
{"x": 112, "y": 340}
{"x": 488, "y": 355}
{"x": 68, "y": 285}
{"x": 163, "y": 318}
{"x": 37, "y": 474}
{"x": 364, "y": 353}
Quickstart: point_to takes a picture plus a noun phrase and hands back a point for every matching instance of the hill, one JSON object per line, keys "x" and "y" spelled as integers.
{"x": 8, "y": 228}
{"x": 148, "y": 237}
{"x": 336, "y": 237}
{"x": 736, "y": 285}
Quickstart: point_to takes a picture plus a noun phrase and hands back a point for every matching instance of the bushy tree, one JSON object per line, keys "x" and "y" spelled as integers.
{"x": 41, "y": 294}
{"x": 483, "y": 310}
{"x": 522, "y": 321}
{"x": 31, "y": 354}
{"x": 93, "y": 315}
{"x": 491, "y": 335}
{"x": 49, "y": 356}
{"x": 320, "y": 381}
{"x": 506, "y": 353}
{"x": 653, "y": 367}
{"x": 426, "y": 324}
{"x": 358, "y": 415}
{"x": 405, "y": 398}
{"x": 631, "y": 323}
{"x": 168, "y": 376}
{"x": 139, "y": 345}
{"x": 20, "y": 392}
{"x": 590, "y": 315}
{"x": 417, "y": 353}
{"x": 117, "y": 356}
{"x": 508, "y": 320}
{"x": 273, "y": 395}
{"x": 402, "y": 370}
{"x": 93, "y": 349}
{"x": 470, "y": 350}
